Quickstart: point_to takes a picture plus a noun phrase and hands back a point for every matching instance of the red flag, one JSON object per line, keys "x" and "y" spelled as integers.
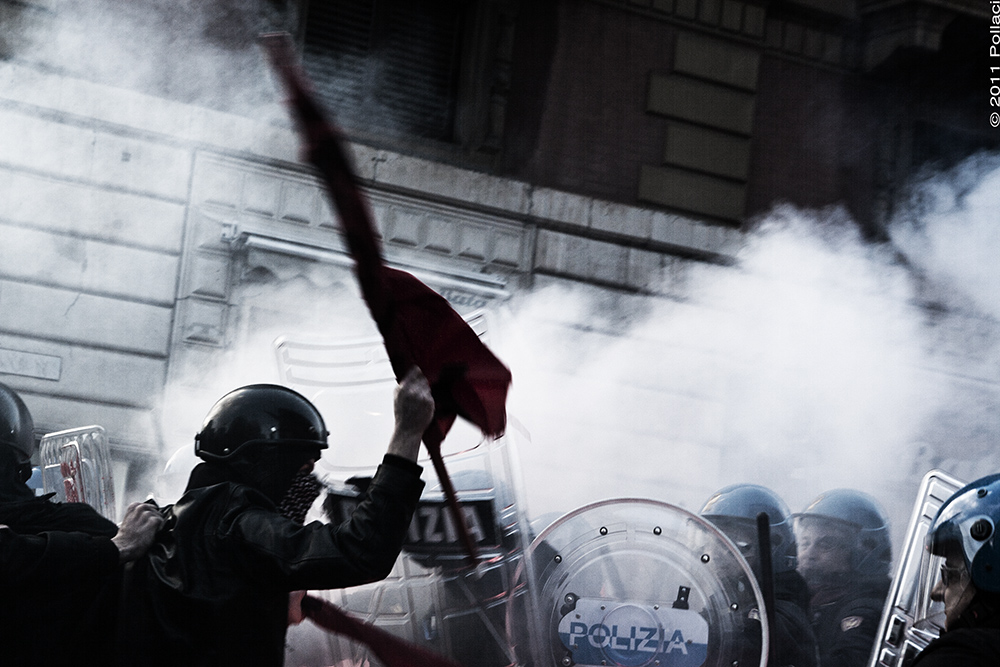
{"x": 390, "y": 649}
{"x": 418, "y": 326}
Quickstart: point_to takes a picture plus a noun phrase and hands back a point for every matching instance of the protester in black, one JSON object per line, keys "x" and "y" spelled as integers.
{"x": 214, "y": 588}
{"x": 59, "y": 562}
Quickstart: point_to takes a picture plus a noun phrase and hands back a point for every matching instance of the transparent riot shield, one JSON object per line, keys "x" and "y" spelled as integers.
{"x": 76, "y": 467}
{"x": 635, "y": 582}
{"x": 434, "y": 597}
{"x": 351, "y": 382}
{"x": 901, "y": 636}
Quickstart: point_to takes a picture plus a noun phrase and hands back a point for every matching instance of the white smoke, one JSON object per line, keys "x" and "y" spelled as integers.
{"x": 810, "y": 365}
{"x": 949, "y": 230}
{"x": 814, "y": 364}
{"x": 188, "y": 51}
{"x": 800, "y": 370}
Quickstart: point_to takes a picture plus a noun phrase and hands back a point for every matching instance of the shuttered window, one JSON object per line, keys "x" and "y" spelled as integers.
{"x": 387, "y": 66}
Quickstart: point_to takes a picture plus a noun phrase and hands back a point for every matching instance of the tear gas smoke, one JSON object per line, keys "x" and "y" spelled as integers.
{"x": 213, "y": 57}
{"x": 209, "y": 48}
{"x": 800, "y": 370}
{"x": 813, "y": 364}
{"x": 948, "y": 230}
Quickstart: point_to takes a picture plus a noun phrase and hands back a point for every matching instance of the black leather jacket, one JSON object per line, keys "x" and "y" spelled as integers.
{"x": 57, "y": 587}
{"x": 213, "y": 589}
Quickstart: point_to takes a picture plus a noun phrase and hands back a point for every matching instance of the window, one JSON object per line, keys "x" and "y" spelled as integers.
{"x": 388, "y": 67}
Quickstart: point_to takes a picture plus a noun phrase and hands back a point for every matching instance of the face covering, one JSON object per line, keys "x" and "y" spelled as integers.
{"x": 300, "y": 496}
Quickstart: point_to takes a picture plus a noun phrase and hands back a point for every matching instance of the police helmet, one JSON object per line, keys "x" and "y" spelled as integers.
{"x": 969, "y": 520}
{"x": 259, "y": 414}
{"x": 871, "y": 550}
{"x": 735, "y": 508}
{"x": 16, "y": 425}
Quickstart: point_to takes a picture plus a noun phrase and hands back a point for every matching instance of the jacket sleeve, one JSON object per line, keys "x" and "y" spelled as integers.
{"x": 52, "y": 558}
{"x": 318, "y": 556}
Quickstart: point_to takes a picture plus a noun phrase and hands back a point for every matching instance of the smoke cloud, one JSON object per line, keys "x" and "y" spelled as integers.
{"x": 789, "y": 371}
{"x": 947, "y": 229}
{"x": 818, "y": 361}
{"x": 201, "y": 53}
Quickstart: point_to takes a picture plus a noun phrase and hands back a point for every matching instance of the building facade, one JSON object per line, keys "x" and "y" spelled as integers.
{"x": 504, "y": 145}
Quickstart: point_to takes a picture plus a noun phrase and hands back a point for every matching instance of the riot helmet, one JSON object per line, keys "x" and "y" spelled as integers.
{"x": 734, "y": 511}
{"x": 17, "y": 435}
{"x": 968, "y": 521}
{"x": 259, "y": 414}
{"x": 960, "y": 570}
{"x": 849, "y": 522}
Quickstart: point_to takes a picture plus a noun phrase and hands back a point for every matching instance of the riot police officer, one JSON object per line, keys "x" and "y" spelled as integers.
{"x": 214, "y": 588}
{"x": 59, "y": 561}
{"x": 845, "y": 555}
{"x": 734, "y": 510}
{"x": 962, "y": 542}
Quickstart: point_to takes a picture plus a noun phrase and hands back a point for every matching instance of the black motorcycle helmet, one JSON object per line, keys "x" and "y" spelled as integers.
{"x": 263, "y": 434}
{"x": 259, "y": 414}
{"x": 16, "y": 430}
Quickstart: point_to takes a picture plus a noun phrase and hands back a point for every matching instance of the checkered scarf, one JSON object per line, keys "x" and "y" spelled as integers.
{"x": 300, "y": 497}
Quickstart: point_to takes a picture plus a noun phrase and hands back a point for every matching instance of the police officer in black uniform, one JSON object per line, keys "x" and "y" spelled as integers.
{"x": 845, "y": 556}
{"x": 962, "y": 542}
{"x": 734, "y": 510}
{"x": 59, "y": 562}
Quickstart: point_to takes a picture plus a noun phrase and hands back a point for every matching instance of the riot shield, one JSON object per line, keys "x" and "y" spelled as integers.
{"x": 76, "y": 467}
{"x": 635, "y": 582}
{"x": 901, "y": 636}
{"x": 433, "y": 598}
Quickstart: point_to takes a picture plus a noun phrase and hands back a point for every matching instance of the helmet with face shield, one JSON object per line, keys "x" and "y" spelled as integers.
{"x": 843, "y": 535}
{"x": 734, "y": 511}
{"x": 960, "y": 568}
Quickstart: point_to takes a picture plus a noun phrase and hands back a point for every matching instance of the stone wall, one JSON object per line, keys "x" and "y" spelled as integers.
{"x": 129, "y": 219}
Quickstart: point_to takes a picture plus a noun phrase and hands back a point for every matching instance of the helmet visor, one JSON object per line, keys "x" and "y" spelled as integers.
{"x": 929, "y": 612}
{"x": 944, "y": 586}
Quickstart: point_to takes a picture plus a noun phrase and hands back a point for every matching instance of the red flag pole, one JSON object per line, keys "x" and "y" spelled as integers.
{"x": 390, "y": 649}
{"x": 326, "y": 153}
{"x": 452, "y": 500}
